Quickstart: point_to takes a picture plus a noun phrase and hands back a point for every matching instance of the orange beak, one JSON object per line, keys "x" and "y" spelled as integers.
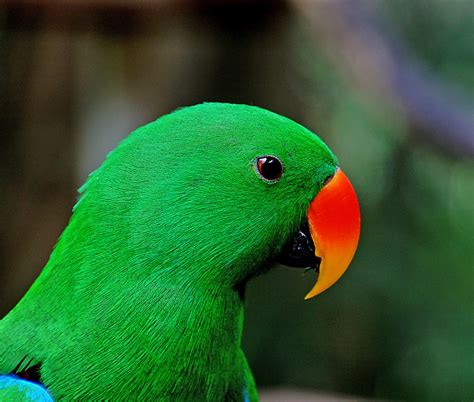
{"x": 334, "y": 224}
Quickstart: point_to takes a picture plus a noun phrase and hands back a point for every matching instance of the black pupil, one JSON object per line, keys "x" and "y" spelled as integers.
{"x": 270, "y": 168}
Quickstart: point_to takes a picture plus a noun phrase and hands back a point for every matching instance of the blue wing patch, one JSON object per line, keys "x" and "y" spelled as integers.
{"x": 16, "y": 389}
{"x": 246, "y": 395}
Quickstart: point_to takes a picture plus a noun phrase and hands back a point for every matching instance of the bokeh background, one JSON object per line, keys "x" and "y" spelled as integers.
{"x": 387, "y": 84}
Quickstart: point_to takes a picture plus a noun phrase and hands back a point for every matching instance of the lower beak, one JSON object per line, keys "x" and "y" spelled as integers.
{"x": 334, "y": 225}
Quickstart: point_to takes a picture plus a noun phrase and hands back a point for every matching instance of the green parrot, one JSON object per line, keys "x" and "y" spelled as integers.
{"x": 143, "y": 295}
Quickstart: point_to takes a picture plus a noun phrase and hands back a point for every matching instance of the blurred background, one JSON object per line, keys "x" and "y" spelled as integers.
{"x": 387, "y": 84}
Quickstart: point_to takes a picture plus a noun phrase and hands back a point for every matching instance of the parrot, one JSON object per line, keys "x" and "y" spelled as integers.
{"x": 143, "y": 295}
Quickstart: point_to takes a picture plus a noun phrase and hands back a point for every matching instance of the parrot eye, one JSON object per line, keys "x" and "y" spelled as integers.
{"x": 270, "y": 168}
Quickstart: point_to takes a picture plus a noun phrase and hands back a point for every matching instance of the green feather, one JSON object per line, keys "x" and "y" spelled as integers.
{"x": 142, "y": 295}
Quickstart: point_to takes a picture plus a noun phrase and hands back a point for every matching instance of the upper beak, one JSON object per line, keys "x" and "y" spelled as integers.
{"x": 334, "y": 225}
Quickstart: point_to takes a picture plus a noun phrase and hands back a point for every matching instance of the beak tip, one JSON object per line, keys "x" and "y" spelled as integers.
{"x": 317, "y": 290}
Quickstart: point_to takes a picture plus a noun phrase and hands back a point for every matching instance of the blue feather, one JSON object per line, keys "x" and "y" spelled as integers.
{"x": 12, "y": 388}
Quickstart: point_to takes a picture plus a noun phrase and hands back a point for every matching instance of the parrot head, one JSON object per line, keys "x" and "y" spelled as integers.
{"x": 143, "y": 293}
{"x": 211, "y": 195}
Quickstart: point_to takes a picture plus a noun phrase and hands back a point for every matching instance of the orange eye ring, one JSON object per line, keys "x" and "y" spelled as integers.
{"x": 269, "y": 168}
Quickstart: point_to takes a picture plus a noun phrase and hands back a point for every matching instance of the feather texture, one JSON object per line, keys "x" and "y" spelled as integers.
{"x": 139, "y": 298}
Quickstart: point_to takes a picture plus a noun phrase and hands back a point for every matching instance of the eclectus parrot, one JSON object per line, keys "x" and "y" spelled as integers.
{"x": 142, "y": 297}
